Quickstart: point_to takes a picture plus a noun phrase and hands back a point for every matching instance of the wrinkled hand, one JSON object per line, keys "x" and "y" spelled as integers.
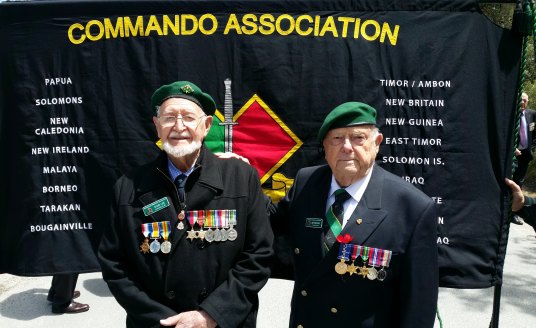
{"x": 231, "y": 155}
{"x": 190, "y": 319}
{"x": 518, "y": 199}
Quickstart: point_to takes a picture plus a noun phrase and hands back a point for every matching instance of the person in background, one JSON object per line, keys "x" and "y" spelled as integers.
{"x": 523, "y": 151}
{"x": 189, "y": 242}
{"x": 522, "y": 205}
{"x": 362, "y": 240}
{"x": 62, "y": 294}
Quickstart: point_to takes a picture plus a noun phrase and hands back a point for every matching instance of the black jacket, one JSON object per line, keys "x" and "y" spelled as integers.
{"x": 392, "y": 215}
{"x": 222, "y": 278}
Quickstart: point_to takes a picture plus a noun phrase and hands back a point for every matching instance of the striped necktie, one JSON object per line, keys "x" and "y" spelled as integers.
{"x": 334, "y": 217}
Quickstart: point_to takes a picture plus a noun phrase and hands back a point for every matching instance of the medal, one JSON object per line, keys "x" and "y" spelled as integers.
{"x": 154, "y": 247}
{"x": 165, "y": 247}
{"x": 356, "y": 252}
{"x": 209, "y": 235}
{"x": 344, "y": 254}
{"x": 372, "y": 273}
{"x": 201, "y": 234}
{"x": 351, "y": 269}
{"x": 224, "y": 235}
{"x": 200, "y": 221}
{"x": 192, "y": 219}
{"x": 144, "y": 247}
{"x": 192, "y": 234}
{"x": 217, "y": 235}
{"x": 382, "y": 274}
{"x": 385, "y": 259}
{"x": 341, "y": 267}
{"x": 374, "y": 260}
{"x": 363, "y": 271}
{"x": 233, "y": 234}
{"x": 181, "y": 217}
{"x": 150, "y": 230}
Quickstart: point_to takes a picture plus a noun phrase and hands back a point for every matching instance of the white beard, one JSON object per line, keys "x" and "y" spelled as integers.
{"x": 181, "y": 151}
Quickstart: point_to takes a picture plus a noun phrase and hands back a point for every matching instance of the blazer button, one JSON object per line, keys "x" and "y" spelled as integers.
{"x": 203, "y": 294}
{"x": 170, "y": 294}
{"x": 333, "y": 310}
{"x": 299, "y": 326}
{"x": 296, "y": 251}
{"x": 304, "y": 292}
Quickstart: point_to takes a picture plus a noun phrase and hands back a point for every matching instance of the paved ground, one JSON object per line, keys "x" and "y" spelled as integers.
{"x": 23, "y": 299}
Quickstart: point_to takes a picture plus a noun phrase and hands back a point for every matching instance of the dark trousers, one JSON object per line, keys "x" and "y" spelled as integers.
{"x": 62, "y": 288}
{"x": 523, "y": 161}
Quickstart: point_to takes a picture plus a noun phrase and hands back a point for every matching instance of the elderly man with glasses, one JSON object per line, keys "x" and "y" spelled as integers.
{"x": 189, "y": 240}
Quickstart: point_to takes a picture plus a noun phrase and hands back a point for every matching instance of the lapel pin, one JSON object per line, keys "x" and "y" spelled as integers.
{"x": 359, "y": 221}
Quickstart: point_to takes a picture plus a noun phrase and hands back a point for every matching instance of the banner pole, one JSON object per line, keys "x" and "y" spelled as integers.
{"x": 496, "y": 307}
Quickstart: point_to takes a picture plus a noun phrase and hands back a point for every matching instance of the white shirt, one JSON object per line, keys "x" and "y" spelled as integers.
{"x": 356, "y": 191}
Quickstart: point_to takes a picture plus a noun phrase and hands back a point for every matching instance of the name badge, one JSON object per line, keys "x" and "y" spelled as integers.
{"x": 155, "y": 206}
{"x": 315, "y": 223}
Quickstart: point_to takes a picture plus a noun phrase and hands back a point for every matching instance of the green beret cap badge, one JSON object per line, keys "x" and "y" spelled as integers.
{"x": 348, "y": 114}
{"x": 186, "y": 90}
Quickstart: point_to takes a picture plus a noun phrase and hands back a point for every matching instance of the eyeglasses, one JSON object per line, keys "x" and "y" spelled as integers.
{"x": 355, "y": 140}
{"x": 190, "y": 121}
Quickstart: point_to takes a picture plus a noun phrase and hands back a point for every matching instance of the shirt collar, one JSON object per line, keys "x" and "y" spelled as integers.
{"x": 174, "y": 172}
{"x": 356, "y": 189}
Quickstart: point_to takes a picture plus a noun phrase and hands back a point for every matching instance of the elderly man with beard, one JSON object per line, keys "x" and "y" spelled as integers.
{"x": 362, "y": 240}
{"x": 189, "y": 240}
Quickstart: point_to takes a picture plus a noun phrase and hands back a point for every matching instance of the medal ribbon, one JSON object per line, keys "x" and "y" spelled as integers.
{"x": 212, "y": 218}
{"x": 356, "y": 251}
{"x": 201, "y": 219}
{"x": 365, "y": 254}
{"x": 386, "y": 258}
{"x": 164, "y": 225}
{"x": 344, "y": 251}
{"x": 155, "y": 231}
{"x": 223, "y": 219}
{"x": 145, "y": 229}
{"x": 373, "y": 257}
{"x": 192, "y": 217}
{"x": 209, "y": 220}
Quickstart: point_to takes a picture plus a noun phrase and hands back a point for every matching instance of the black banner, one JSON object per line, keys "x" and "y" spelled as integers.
{"x": 77, "y": 76}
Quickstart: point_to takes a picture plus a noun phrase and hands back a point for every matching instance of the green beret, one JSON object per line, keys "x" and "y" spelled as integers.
{"x": 347, "y": 114}
{"x": 186, "y": 90}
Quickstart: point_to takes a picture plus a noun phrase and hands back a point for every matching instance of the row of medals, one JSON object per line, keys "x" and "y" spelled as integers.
{"x": 212, "y": 235}
{"x": 155, "y": 246}
{"x": 364, "y": 271}
{"x": 209, "y": 235}
{"x": 224, "y": 234}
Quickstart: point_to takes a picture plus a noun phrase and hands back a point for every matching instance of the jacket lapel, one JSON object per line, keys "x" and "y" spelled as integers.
{"x": 368, "y": 215}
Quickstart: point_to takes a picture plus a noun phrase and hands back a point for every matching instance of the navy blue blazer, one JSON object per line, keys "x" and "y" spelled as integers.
{"x": 392, "y": 215}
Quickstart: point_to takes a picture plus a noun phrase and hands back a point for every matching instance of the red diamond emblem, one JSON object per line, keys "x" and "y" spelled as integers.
{"x": 263, "y": 138}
